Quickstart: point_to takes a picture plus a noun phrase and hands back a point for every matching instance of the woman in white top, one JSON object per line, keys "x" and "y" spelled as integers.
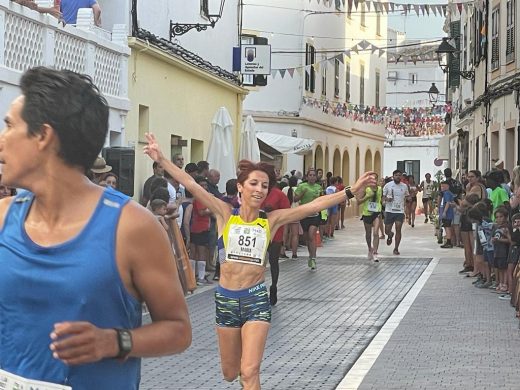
{"x": 293, "y": 229}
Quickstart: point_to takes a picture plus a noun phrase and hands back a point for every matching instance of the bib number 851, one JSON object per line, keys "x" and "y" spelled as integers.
{"x": 246, "y": 241}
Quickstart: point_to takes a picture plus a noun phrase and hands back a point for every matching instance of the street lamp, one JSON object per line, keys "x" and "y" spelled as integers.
{"x": 433, "y": 94}
{"x": 445, "y": 52}
{"x": 209, "y": 10}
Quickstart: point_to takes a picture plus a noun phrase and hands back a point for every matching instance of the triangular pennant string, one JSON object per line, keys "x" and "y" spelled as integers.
{"x": 356, "y": 2}
{"x": 291, "y": 72}
{"x": 341, "y": 58}
{"x": 385, "y": 5}
{"x": 300, "y": 71}
{"x": 434, "y": 9}
{"x": 273, "y": 73}
{"x": 416, "y": 8}
{"x": 381, "y": 52}
{"x": 368, "y": 5}
{"x": 374, "y": 49}
{"x": 282, "y": 72}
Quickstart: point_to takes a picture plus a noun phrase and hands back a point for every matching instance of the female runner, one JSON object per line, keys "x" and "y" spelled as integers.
{"x": 243, "y": 313}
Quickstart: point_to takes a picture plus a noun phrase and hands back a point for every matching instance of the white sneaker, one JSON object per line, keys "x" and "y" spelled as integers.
{"x": 370, "y": 255}
{"x": 375, "y": 257}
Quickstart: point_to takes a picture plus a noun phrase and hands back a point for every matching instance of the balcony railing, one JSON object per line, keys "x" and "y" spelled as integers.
{"x": 28, "y": 39}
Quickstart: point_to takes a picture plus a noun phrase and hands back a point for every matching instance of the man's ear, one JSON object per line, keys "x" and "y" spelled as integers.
{"x": 46, "y": 136}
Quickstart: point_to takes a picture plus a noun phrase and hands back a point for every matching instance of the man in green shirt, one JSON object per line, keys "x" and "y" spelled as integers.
{"x": 306, "y": 192}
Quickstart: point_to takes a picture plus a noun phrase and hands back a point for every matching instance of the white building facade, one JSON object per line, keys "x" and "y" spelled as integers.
{"x": 413, "y": 147}
{"x": 33, "y": 39}
{"x": 326, "y": 70}
{"x": 484, "y": 86}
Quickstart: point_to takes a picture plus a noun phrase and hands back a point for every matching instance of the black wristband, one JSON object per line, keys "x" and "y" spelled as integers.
{"x": 349, "y": 193}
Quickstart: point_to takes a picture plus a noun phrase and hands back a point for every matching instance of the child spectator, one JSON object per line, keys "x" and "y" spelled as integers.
{"x": 514, "y": 254}
{"x": 446, "y": 208}
{"x": 479, "y": 214}
{"x": 160, "y": 209}
{"x": 501, "y": 239}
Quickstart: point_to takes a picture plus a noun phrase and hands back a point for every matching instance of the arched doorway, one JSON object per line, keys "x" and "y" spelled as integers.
{"x": 345, "y": 169}
{"x": 377, "y": 163}
{"x": 336, "y": 163}
{"x": 307, "y": 161}
{"x": 358, "y": 162}
{"x": 368, "y": 160}
{"x": 318, "y": 157}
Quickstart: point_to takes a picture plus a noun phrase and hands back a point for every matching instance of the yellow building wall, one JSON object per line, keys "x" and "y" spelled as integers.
{"x": 181, "y": 100}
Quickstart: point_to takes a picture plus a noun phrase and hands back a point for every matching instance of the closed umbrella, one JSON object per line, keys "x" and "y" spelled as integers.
{"x": 249, "y": 149}
{"x": 221, "y": 155}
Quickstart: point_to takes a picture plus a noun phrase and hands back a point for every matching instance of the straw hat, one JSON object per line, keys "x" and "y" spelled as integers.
{"x": 100, "y": 166}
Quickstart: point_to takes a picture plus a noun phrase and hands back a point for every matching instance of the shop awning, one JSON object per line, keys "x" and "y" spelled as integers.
{"x": 284, "y": 143}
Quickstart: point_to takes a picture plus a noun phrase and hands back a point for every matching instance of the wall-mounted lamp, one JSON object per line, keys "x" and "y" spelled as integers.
{"x": 433, "y": 94}
{"x": 212, "y": 13}
{"x": 444, "y": 53}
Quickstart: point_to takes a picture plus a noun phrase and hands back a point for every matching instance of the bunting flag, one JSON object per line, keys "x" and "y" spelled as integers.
{"x": 398, "y": 121}
{"x": 363, "y": 45}
{"x": 407, "y": 8}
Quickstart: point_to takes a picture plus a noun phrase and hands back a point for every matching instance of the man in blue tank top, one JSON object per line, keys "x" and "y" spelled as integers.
{"x": 77, "y": 260}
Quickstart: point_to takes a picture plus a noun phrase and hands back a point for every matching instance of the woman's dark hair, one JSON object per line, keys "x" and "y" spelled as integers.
{"x": 72, "y": 105}
{"x": 245, "y": 168}
{"x": 476, "y": 172}
{"x": 108, "y": 174}
{"x": 160, "y": 193}
{"x": 231, "y": 187}
{"x": 159, "y": 182}
{"x": 293, "y": 182}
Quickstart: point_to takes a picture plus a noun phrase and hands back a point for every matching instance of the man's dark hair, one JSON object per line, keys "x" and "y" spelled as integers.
{"x": 202, "y": 165}
{"x": 396, "y": 171}
{"x": 159, "y": 182}
{"x": 155, "y": 165}
{"x": 448, "y": 173}
{"x": 200, "y": 179}
{"x": 73, "y": 106}
{"x": 191, "y": 167}
{"x": 231, "y": 187}
{"x": 160, "y": 193}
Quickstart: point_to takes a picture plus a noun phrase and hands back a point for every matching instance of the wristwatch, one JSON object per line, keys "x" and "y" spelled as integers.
{"x": 349, "y": 193}
{"x": 124, "y": 340}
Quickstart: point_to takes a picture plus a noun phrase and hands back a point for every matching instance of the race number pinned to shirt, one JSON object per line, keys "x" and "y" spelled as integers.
{"x": 373, "y": 207}
{"x": 397, "y": 207}
{"x": 10, "y": 381}
{"x": 246, "y": 244}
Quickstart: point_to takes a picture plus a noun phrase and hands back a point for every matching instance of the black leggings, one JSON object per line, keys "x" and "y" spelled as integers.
{"x": 274, "y": 256}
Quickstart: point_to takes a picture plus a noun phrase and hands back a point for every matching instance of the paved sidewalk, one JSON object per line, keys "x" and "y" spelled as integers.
{"x": 453, "y": 335}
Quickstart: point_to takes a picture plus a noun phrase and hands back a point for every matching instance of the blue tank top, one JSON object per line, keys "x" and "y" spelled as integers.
{"x": 77, "y": 280}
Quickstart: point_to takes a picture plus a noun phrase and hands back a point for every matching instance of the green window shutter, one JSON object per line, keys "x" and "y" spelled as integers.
{"x": 454, "y": 60}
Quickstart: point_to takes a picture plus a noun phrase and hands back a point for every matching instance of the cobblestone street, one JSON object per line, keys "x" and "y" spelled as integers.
{"x": 322, "y": 323}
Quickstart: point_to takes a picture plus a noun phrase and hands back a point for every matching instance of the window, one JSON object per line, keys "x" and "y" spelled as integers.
{"x": 412, "y": 79}
{"x": 392, "y": 76}
{"x": 363, "y": 11}
{"x": 471, "y": 44}
{"x": 480, "y": 43}
{"x": 362, "y": 84}
{"x": 465, "y": 48}
{"x": 347, "y": 82}
{"x": 378, "y": 82}
{"x": 310, "y": 76}
{"x": 324, "y": 75}
{"x": 204, "y": 8}
{"x": 144, "y": 122}
{"x": 248, "y": 79}
{"x": 495, "y": 38}
{"x": 336, "y": 77}
{"x": 510, "y": 28}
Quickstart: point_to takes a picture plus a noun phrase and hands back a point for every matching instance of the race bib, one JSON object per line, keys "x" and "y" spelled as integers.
{"x": 10, "y": 381}
{"x": 397, "y": 207}
{"x": 246, "y": 244}
{"x": 373, "y": 207}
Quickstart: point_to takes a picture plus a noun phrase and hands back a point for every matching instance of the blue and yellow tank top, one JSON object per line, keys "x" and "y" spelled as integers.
{"x": 244, "y": 242}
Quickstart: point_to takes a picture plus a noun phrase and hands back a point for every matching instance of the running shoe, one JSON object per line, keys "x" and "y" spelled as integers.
{"x": 370, "y": 255}
{"x": 447, "y": 246}
{"x": 426, "y": 220}
{"x": 273, "y": 295}
{"x": 396, "y": 252}
{"x": 312, "y": 264}
{"x": 389, "y": 239}
{"x": 375, "y": 257}
{"x": 284, "y": 256}
{"x": 504, "y": 297}
{"x": 294, "y": 257}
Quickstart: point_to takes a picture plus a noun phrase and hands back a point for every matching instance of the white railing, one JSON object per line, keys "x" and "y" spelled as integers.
{"x": 28, "y": 39}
